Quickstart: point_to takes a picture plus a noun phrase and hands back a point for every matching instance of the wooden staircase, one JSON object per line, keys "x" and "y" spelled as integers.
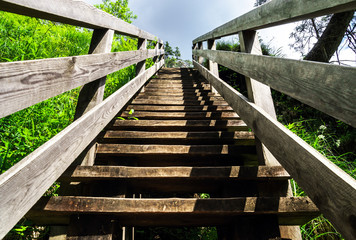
{"x": 150, "y": 172}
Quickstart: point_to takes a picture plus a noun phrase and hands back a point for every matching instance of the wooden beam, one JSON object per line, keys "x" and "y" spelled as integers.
{"x": 330, "y": 188}
{"x": 141, "y": 66}
{"x": 190, "y": 211}
{"x": 78, "y": 13}
{"x": 25, "y": 83}
{"x": 278, "y": 12}
{"x": 33, "y": 175}
{"x": 88, "y": 173}
{"x": 326, "y": 87}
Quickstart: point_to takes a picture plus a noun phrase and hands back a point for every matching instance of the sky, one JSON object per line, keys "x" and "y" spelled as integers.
{"x": 179, "y": 22}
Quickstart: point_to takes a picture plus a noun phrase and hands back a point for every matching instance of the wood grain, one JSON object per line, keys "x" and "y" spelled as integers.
{"x": 78, "y": 13}
{"x": 326, "y": 87}
{"x": 330, "y": 188}
{"x": 33, "y": 175}
{"x": 25, "y": 83}
{"x": 278, "y": 12}
{"x": 87, "y": 173}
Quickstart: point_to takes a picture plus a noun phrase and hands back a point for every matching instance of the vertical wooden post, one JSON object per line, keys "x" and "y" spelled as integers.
{"x": 141, "y": 66}
{"x": 213, "y": 66}
{"x": 200, "y": 47}
{"x": 195, "y": 46}
{"x": 261, "y": 95}
{"x": 92, "y": 94}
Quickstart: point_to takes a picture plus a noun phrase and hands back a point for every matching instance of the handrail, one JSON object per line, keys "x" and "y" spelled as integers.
{"x": 328, "y": 88}
{"x": 25, "y": 83}
{"x": 77, "y": 13}
{"x": 278, "y": 12}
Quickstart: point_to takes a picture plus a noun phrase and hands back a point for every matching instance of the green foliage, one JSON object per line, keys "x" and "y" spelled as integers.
{"x": 119, "y": 9}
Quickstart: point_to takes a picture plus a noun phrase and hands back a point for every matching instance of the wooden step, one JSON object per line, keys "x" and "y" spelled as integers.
{"x": 178, "y": 108}
{"x": 174, "y": 102}
{"x": 260, "y": 173}
{"x": 180, "y": 125}
{"x": 175, "y": 90}
{"x": 213, "y": 137}
{"x": 179, "y": 86}
{"x": 173, "y": 211}
{"x": 180, "y": 98}
{"x": 180, "y": 115}
{"x": 168, "y": 150}
{"x": 188, "y": 94}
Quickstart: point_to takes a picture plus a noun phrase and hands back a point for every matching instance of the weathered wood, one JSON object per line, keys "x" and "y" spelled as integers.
{"x": 178, "y": 108}
{"x": 177, "y": 124}
{"x": 179, "y": 102}
{"x": 244, "y": 136}
{"x": 78, "y": 13}
{"x": 326, "y": 87}
{"x": 180, "y": 115}
{"x": 301, "y": 209}
{"x": 258, "y": 93}
{"x": 201, "y": 150}
{"x": 43, "y": 166}
{"x": 319, "y": 178}
{"x": 278, "y": 12}
{"x": 141, "y": 66}
{"x": 166, "y": 97}
{"x": 88, "y": 173}
{"x": 25, "y": 83}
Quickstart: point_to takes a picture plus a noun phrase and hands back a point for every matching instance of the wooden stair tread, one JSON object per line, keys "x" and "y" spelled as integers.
{"x": 178, "y": 108}
{"x": 179, "y": 102}
{"x": 231, "y": 172}
{"x": 181, "y": 98}
{"x": 181, "y": 115}
{"x": 294, "y": 209}
{"x": 202, "y": 150}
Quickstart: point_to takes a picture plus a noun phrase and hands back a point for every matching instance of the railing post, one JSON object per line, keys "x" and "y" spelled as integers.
{"x": 261, "y": 95}
{"x": 213, "y": 66}
{"x": 92, "y": 94}
{"x": 200, "y": 47}
{"x": 195, "y": 46}
{"x": 141, "y": 66}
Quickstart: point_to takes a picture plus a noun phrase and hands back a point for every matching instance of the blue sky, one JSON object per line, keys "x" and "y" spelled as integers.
{"x": 179, "y": 22}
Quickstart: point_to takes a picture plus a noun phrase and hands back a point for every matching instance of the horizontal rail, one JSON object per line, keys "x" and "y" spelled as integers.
{"x": 278, "y": 12}
{"x": 330, "y": 188}
{"x": 25, "y": 83}
{"x": 76, "y": 13}
{"x": 24, "y": 184}
{"x": 328, "y": 88}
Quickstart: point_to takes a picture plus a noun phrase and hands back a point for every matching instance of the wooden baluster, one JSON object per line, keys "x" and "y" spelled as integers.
{"x": 213, "y": 66}
{"x": 195, "y": 47}
{"x": 200, "y": 47}
{"x": 141, "y": 66}
{"x": 261, "y": 95}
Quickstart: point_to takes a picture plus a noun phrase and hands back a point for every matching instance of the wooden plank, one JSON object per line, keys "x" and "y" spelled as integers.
{"x": 299, "y": 159}
{"x": 240, "y": 135}
{"x": 145, "y": 149}
{"x": 88, "y": 173}
{"x": 177, "y": 108}
{"x": 278, "y": 12}
{"x": 181, "y": 124}
{"x": 179, "y": 102}
{"x": 180, "y": 115}
{"x": 78, "y": 13}
{"x": 302, "y": 209}
{"x": 25, "y": 83}
{"x": 179, "y": 98}
{"x": 326, "y": 87}
{"x": 43, "y": 166}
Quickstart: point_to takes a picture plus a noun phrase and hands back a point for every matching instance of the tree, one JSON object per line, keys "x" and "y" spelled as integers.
{"x": 329, "y": 32}
{"x": 119, "y": 9}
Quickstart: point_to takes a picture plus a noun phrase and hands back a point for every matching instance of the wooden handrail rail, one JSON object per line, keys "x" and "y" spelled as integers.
{"x": 278, "y": 12}
{"x": 75, "y": 13}
{"x": 25, "y": 83}
{"x": 46, "y": 164}
{"x": 328, "y": 88}
{"x": 330, "y": 188}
